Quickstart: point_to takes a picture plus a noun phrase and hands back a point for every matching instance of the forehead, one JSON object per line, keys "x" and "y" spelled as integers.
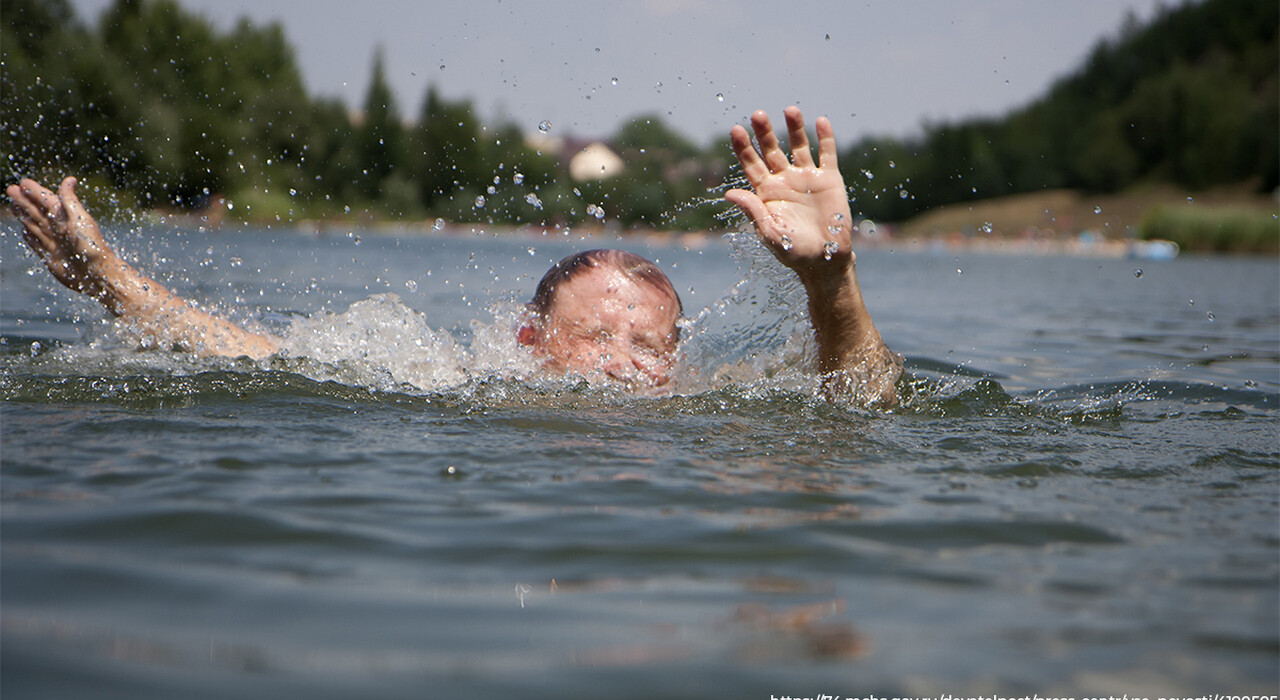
{"x": 608, "y": 297}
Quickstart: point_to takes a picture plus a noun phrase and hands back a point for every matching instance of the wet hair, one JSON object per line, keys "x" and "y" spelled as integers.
{"x": 633, "y": 266}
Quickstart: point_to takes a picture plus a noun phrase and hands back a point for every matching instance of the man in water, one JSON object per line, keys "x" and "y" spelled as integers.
{"x": 602, "y": 312}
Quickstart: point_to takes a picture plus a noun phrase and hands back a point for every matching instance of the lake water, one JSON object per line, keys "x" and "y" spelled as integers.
{"x": 1079, "y": 496}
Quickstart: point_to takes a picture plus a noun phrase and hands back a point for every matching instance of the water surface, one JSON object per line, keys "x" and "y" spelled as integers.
{"x": 1079, "y": 495}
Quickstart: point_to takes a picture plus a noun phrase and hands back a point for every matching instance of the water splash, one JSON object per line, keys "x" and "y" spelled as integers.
{"x": 384, "y": 344}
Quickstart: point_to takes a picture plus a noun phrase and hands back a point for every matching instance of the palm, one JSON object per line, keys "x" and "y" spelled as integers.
{"x": 808, "y": 218}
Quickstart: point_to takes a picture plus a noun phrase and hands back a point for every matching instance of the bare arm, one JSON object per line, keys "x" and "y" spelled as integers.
{"x": 800, "y": 209}
{"x": 68, "y": 240}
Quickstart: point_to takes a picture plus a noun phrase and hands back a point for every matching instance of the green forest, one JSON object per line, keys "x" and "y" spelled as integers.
{"x": 155, "y": 108}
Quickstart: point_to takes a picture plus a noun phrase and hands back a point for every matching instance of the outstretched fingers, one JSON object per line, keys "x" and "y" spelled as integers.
{"x": 770, "y": 148}
{"x": 826, "y": 143}
{"x": 34, "y": 206}
{"x": 753, "y": 167}
{"x": 799, "y": 140}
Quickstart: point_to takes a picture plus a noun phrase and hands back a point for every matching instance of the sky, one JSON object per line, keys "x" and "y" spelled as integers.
{"x": 878, "y": 68}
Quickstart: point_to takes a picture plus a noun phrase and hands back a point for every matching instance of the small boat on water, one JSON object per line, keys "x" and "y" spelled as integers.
{"x": 1154, "y": 249}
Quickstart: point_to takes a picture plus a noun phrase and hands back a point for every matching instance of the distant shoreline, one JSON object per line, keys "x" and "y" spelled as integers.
{"x": 1049, "y": 222}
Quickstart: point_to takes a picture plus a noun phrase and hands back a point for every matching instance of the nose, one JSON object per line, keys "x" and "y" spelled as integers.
{"x": 628, "y": 367}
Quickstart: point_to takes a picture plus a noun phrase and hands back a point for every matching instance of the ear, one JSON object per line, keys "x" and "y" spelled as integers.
{"x": 527, "y": 335}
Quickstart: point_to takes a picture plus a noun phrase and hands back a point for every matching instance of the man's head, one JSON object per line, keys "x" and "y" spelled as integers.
{"x": 606, "y": 311}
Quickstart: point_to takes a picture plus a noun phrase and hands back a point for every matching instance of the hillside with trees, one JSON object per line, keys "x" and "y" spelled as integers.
{"x": 1190, "y": 99}
{"x": 155, "y": 108}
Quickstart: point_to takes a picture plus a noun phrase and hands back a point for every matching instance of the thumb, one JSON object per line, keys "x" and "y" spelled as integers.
{"x": 70, "y": 201}
{"x": 749, "y": 203}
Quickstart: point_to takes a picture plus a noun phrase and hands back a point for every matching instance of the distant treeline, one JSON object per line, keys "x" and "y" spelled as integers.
{"x": 155, "y": 108}
{"x": 1191, "y": 99}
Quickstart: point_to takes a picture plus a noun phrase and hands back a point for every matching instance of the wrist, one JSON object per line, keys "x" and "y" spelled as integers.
{"x": 831, "y": 283}
{"x": 125, "y": 292}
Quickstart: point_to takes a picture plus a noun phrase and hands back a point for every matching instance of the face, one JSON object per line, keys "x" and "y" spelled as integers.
{"x": 604, "y": 322}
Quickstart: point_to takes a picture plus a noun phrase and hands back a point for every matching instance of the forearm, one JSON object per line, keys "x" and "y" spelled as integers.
{"x": 163, "y": 318}
{"x": 852, "y": 356}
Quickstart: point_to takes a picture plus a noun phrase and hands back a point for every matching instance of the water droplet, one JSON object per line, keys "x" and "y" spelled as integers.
{"x": 533, "y": 200}
{"x": 891, "y": 165}
{"x": 785, "y": 242}
{"x": 491, "y": 189}
{"x": 532, "y": 252}
{"x": 438, "y": 225}
{"x": 829, "y": 249}
{"x": 544, "y": 126}
{"x": 1137, "y": 272}
{"x": 959, "y": 271}
{"x": 986, "y": 227}
{"x": 1191, "y": 302}
{"x": 868, "y": 174}
{"x": 1097, "y": 210}
{"x": 518, "y": 178}
{"x": 411, "y": 285}
{"x": 441, "y": 66}
{"x": 613, "y": 81}
{"x": 1209, "y": 315}
{"x": 236, "y": 262}
{"x": 479, "y": 203}
{"x": 903, "y": 194}
{"x": 1189, "y": 200}
{"x": 720, "y": 97}
{"x": 828, "y": 37}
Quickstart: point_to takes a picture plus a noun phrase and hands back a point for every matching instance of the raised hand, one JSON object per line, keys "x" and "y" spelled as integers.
{"x": 69, "y": 242}
{"x": 799, "y": 207}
